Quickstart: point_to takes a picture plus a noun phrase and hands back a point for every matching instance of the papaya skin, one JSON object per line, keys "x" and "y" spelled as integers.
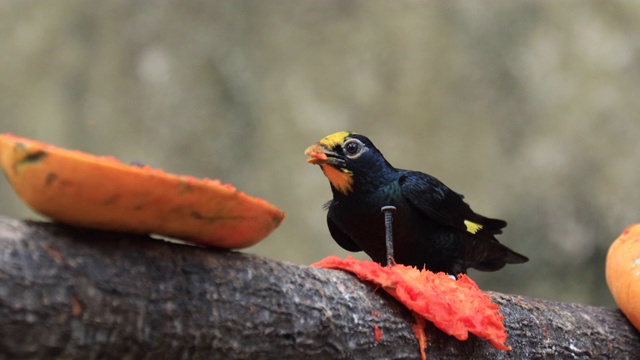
{"x": 623, "y": 273}
{"x": 102, "y": 193}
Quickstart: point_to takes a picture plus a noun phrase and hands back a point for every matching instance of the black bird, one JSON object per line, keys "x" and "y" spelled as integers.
{"x": 432, "y": 227}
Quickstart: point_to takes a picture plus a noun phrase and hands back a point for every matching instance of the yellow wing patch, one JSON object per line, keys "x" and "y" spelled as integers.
{"x": 340, "y": 179}
{"x": 331, "y": 141}
{"x": 472, "y": 227}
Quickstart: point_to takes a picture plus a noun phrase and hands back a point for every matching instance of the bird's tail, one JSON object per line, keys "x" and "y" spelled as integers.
{"x": 503, "y": 256}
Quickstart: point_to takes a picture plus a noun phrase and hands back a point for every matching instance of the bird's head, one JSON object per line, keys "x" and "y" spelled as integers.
{"x": 344, "y": 156}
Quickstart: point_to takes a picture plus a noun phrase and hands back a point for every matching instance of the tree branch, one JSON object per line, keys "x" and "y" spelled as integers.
{"x": 76, "y": 293}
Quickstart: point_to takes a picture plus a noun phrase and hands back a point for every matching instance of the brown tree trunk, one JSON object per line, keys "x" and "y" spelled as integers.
{"x": 84, "y": 294}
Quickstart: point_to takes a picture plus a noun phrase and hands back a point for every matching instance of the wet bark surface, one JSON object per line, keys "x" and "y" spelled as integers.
{"x": 74, "y": 293}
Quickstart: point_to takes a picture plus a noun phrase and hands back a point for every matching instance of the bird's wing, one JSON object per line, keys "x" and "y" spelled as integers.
{"x": 341, "y": 238}
{"x": 435, "y": 200}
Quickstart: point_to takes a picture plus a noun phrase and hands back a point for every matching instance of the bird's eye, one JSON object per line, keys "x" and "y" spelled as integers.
{"x": 354, "y": 148}
{"x": 351, "y": 147}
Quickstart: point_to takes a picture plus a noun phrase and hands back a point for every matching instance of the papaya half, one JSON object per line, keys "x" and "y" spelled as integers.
{"x": 103, "y": 193}
{"x": 623, "y": 273}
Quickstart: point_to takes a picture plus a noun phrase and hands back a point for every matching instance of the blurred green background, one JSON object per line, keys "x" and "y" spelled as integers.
{"x": 528, "y": 108}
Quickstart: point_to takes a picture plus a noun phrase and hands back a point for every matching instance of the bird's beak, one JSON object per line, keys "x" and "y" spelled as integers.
{"x": 320, "y": 154}
{"x": 317, "y": 154}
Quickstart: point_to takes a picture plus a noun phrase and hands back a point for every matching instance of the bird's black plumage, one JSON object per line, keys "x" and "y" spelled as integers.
{"x": 433, "y": 226}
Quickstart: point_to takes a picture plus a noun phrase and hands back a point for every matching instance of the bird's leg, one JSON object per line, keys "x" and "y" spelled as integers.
{"x": 388, "y": 227}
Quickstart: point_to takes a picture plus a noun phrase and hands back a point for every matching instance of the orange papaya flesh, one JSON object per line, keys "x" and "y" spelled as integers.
{"x": 421, "y": 336}
{"x": 623, "y": 273}
{"x": 102, "y": 193}
{"x": 457, "y": 307}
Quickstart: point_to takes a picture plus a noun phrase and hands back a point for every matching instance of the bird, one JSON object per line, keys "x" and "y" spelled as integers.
{"x": 433, "y": 227}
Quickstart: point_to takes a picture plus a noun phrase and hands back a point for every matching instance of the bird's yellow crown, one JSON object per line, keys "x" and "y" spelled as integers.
{"x": 335, "y": 139}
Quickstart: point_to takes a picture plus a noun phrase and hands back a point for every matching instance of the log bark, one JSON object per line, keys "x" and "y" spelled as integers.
{"x": 76, "y": 293}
